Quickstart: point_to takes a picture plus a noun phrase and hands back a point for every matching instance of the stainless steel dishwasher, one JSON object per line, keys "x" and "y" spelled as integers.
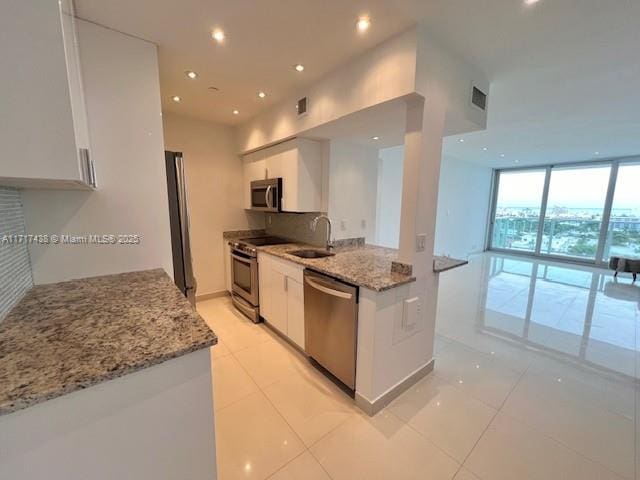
{"x": 331, "y": 325}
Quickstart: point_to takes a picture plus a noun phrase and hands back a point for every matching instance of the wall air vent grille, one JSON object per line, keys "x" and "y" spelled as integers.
{"x": 479, "y": 98}
{"x": 302, "y": 106}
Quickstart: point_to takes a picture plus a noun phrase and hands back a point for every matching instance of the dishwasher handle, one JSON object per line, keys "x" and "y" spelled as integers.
{"x": 327, "y": 290}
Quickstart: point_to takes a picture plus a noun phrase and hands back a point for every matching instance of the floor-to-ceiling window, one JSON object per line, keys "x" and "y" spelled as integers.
{"x": 517, "y": 210}
{"x": 585, "y": 212}
{"x": 574, "y": 210}
{"x": 623, "y": 234}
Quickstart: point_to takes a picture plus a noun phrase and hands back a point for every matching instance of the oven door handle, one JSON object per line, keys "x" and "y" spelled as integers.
{"x": 267, "y": 196}
{"x": 247, "y": 261}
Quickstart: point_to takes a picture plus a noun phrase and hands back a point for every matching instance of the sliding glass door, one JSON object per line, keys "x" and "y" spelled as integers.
{"x": 517, "y": 210}
{"x": 574, "y": 210}
{"x": 584, "y": 212}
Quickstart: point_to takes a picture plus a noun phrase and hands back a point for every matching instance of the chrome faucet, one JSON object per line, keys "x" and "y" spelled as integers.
{"x": 314, "y": 225}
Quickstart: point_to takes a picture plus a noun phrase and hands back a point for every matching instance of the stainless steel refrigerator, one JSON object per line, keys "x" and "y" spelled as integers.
{"x": 179, "y": 219}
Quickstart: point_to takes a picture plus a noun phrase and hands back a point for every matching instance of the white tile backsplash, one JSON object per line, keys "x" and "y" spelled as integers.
{"x": 15, "y": 267}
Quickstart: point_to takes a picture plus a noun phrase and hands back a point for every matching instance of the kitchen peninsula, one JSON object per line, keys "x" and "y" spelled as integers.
{"x": 391, "y": 333}
{"x": 94, "y": 370}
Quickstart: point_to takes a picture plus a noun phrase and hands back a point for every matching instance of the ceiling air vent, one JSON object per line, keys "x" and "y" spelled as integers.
{"x": 302, "y": 106}
{"x": 479, "y": 98}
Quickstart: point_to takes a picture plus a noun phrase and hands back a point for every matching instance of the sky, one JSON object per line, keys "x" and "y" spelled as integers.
{"x": 571, "y": 187}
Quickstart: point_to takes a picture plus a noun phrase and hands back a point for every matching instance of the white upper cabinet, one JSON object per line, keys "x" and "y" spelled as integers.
{"x": 299, "y": 163}
{"x": 43, "y": 131}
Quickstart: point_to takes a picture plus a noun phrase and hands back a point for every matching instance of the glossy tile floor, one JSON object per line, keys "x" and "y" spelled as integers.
{"x": 535, "y": 378}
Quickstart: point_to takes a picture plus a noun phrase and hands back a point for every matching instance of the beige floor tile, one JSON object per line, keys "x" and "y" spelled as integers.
{"x": 311, "y": 404}
{"x": 557, "y": 410}
{"x": 219, "y": 350}
{"x": 478, "y": 374}
{"x": 252, "y": 440}
{"x": 230, "y": 382}
{"x": 304, "y": 467}
{"x": 269, "y": 362}
{"x": 243, "y": 334}
{"x": 381, "y": 448}
{"x": 465, "y": 474}
{"x": 511, "y": 450}
{"x": 445, "y": 415}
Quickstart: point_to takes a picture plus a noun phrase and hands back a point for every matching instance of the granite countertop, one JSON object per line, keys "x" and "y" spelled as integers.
{"x": 68, "y": 336}
{"x": 368, "y": 266}
{"x": 236, "y": 234}
{"x": 442, "y": 264}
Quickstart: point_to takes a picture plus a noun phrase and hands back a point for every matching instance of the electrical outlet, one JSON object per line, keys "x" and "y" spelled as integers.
{"x": 343, "y": 225}
{"x": 421, "y": 243}
{"x": 269, "y": 219}
{"x": 363, "y": 224}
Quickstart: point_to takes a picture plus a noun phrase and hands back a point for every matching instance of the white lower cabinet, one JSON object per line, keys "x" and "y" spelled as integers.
{"x": 282, "y": 296}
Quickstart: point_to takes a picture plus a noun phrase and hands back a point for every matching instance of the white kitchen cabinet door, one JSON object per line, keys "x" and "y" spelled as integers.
{"x": 278, "y": 286}
{"x": 295, "y": 312}
{"x": 254, "y": 167}
{"x": 45, "y": 119}
{"x": 265, "y": 286}
{"x": 301, "y": 166}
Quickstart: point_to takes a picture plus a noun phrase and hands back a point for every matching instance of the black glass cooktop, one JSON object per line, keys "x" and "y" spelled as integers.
{"x": 261, "y": 241}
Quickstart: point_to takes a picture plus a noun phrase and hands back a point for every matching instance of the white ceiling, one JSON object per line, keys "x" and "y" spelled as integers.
{"x": 264, "y": 40}
{"x": 565, "y": 73}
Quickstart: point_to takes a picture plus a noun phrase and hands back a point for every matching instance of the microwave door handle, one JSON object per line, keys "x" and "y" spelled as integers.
{"x": 267, "y": 196}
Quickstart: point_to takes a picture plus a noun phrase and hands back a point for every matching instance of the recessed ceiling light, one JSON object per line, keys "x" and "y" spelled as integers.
{"x": 299, "y": 67}
{"x": 191, "y": 74}
{"x": 375, "y": 138}
{"x": 262, "y": 94}
{"x": 485, "y": 148}
{"x": 502, "y": 155}
{"x": 236, "y": 112}
{"x": 363, "y": 24}
{"x": 596, "y": 153}
{"x": 176, "y": 98}
{"x": 516, "y": 161}
{"x": 461, "y": 140}
{"x": 218, "y": 35}
{"x": 531, "y": 2}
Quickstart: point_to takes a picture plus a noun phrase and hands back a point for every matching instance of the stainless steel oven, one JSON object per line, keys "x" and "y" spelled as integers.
{"x": 266, "y": 195}
{"x": 244, "y": 273}
{"x": 244, "y": 283}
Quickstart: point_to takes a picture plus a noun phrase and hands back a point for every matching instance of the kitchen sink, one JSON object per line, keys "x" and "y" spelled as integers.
{"x": 312, "y": 253}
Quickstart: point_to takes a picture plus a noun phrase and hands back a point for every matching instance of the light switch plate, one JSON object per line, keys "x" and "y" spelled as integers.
{"x": 421, "y": 243}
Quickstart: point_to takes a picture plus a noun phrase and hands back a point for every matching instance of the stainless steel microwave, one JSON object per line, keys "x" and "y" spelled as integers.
{"x": 266, "y": 195}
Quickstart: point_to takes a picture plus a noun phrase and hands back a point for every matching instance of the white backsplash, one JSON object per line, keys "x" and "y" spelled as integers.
{"x": 15, "y": 267}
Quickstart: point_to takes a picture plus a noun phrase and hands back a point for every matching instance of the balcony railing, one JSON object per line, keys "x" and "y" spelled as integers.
{"x": 568, "y": 236}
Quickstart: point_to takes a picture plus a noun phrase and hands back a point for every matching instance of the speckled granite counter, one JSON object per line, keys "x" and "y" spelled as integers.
{"x": 367, "y": 266}
{"x": 236, "y": 234}
{"x": 71, "y": 335}
{"x": 442, "y": 264}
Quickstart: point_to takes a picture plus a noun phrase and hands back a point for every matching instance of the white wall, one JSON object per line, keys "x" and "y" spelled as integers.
{"x": 463, "y": 204}
{"x": 353, "y": 179}
{"x": 389, "y": 201}
{"x": 385, "y": 72}
{"x": 123, "y": 104}
{"x": 214, "y": 183}
{"x": 463, "y": 208}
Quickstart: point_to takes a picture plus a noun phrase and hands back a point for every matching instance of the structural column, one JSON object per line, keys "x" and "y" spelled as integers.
{"x": 422, "y": 156}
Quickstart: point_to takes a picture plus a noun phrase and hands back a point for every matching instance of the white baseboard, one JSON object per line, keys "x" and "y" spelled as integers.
{"x": 209, "y": 296}
{"x": 373, "y": 407}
